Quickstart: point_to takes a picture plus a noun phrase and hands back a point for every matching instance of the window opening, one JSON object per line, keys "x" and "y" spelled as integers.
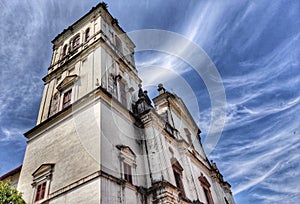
{"x": 67, "y": 98}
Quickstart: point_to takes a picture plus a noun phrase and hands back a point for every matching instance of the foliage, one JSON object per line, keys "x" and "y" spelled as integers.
{"x": 9, "y": 195}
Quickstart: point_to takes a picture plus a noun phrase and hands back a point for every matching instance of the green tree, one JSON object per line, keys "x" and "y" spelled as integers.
{"x": 9, "y": 195}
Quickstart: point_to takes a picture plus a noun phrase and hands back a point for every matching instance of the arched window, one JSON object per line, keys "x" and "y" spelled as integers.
{"x": 64, "y": 51}
{"x": 206, "y": 188}
{"x": 76, "y": 41}
{"x": 87, "y": 34}
{"x": 177, "y": 171}
{"x": 65, "y": 88}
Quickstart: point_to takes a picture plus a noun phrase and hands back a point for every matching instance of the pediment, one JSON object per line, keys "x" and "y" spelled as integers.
{"x": 176, "y": 164}
{"x": 184, "y": 109}
{"x": 126, "y": 150}
{"x": 203, "y": 180}
{"x": 43, "y": 169}
{"x": 67, "y": 81}
{"x": 177, "y": 105}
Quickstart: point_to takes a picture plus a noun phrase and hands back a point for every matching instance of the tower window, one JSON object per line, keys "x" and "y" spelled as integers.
{"x": 41, "y": 182}
{"x": 64, "y": 52}
{"x": 206, "y": 188}
{"x": 87, "y": 34}
{"x": 177, "y": 171}
{"x": 178, "y": 181}
{"x": 76, "y": 42}
{"x": 40, "y": 191}
{"x": 127, "y": 172}
{"x": 67, "y": 98}
{"x": 207, "y": 195}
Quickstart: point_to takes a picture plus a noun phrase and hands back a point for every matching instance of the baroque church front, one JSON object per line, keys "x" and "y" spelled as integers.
{"x": 99, "y": 139}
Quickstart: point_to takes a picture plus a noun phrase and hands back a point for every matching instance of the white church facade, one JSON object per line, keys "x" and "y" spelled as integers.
{"x": 100, "y": 139}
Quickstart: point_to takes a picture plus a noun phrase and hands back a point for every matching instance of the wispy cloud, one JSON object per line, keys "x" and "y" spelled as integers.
{"x": 254, "y": 181}
{"x": 255, "y": 47}
{"x": 261, "y": 137}
{"x": 11, "y": 135}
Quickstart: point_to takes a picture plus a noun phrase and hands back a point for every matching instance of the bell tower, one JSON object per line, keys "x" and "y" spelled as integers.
{"x": 91, "y": 81}
{"x": 93, "y": 52}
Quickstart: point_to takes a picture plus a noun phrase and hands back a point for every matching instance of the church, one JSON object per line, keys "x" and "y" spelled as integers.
{"x": 99, "y": 138}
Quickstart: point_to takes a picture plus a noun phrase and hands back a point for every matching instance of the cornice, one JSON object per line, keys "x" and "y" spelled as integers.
{"x": 99, "y": 9}
{"x": 84, "y": 102}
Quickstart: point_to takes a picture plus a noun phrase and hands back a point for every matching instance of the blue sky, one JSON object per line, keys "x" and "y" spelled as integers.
{"x": 255, "y": 46}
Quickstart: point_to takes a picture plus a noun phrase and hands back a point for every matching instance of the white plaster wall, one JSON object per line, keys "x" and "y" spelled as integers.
{"x": 110, "y": 192}
{"x": 63, "y": 145}
{"x": 116, "y": 194}
{"x": 87, "y": 193}
{"x": 85, "y": 83}
{"x": 181, "y": 125}
{"x": 118, "y": 130}
{"x": 97, "y": 67}
{"x": 219, "y": 193}
{"x": 132, "y": 197}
